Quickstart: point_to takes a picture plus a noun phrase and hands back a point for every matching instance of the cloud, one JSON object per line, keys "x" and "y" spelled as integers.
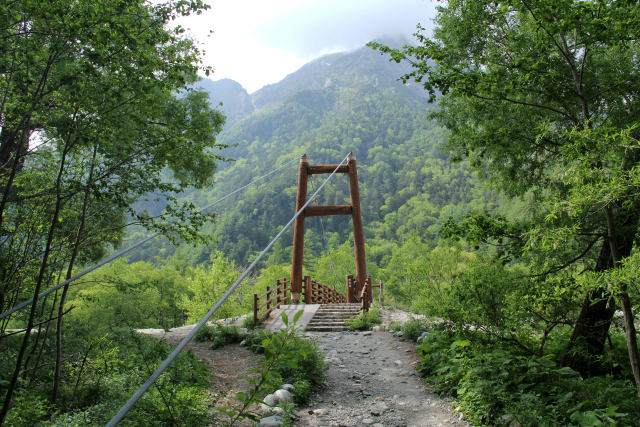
{"x": 318, "y": 27}
{"x": 257, "y": 42}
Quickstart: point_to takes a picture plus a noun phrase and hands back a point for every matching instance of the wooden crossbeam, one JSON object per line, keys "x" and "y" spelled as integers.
{"x": 318, "y": 169}
{"x": 328, "y": 210}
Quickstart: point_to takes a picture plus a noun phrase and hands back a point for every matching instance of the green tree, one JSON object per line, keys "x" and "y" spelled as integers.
{"x": 207, "y": 284}
{"x": 95, "y": 105}
{"x": 542, "y": 96}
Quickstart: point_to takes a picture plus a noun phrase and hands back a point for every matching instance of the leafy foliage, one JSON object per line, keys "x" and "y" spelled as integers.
{"x": 499, "y": 385}
{"x": 219, "y": 335}
{"x": 365, "y": 320}
{"x": 287, "y": 358}
{"x": 101, "y": 374}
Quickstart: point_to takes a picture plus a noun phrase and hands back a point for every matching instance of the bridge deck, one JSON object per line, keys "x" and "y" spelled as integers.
{"x": 276, "y": 324}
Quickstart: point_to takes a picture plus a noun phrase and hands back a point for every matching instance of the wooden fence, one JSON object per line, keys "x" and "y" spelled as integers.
{"x": 280, "y": 294}
{"x": 313, "y": 292}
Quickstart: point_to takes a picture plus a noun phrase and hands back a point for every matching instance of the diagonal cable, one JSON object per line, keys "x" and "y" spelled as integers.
{"x": 121, "y": 252}
{"x": 138, "y": 394}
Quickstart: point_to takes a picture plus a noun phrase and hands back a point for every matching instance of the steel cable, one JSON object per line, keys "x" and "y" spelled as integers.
{"x": 121, "y": 252}
{"x": 138, "y": 394}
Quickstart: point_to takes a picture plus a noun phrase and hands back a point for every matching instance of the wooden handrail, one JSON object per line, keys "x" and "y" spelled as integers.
{"x": 273, "y": 298}
{"x": 314, "y": 293}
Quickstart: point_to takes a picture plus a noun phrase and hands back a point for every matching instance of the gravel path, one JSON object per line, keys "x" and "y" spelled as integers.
{"x": 372, "y": 380}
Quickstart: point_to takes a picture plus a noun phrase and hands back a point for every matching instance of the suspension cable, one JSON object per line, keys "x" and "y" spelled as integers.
{"x": 328, "y": 249}
{"x": 121, "y": 252}
{"x": 326, "y": 244}
{"x": 138, "y": 394}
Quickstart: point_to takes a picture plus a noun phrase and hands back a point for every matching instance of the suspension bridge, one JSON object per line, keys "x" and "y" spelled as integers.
{"x": 325, "y": 308}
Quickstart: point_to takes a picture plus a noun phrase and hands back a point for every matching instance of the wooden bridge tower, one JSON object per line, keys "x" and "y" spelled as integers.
{"x": 353, "y": 209}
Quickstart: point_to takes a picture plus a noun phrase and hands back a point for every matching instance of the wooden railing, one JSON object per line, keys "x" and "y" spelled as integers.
{"x": 317, "y": 293}
{"x": 365, "y": 295}
{"x": 313, "y": 292}
{"x": 273, "y": 298}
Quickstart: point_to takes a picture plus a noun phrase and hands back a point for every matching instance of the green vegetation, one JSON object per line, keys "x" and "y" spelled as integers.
{"x": 288, "y": 358}
{"x": 540, "y": 98}
{"x": 499, "y": 384}
{"x": 412, "y": 329}
{"x": 90, "y": 124}
{"x": 101, "y": 372}
{"x": 365, "y": 320}
{"x": 525, "y": 246}
{"x": 219, "y": 335}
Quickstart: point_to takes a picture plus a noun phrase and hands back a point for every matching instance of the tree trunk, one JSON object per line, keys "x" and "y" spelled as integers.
{"x": 632, "y": 345}
{"x": 72, "y": 260}
{"x": 41, "y": 275}
{"x": 592, "y": 326}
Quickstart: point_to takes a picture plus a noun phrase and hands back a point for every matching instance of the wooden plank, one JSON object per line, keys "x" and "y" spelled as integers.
{"x": 318, "y": 169}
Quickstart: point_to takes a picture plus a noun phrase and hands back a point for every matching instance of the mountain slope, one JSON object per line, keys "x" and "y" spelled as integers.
{"x": 333, "y": 105}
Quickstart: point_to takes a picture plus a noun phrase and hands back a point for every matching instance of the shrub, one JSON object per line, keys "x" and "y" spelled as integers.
{"x": 254, "y": 340}
{"x": 287, "y": 358}
{"x": 413, "y": 328}
{"x": 496, "y": 385}
{"x": 364, "y": 321}
{"x": 219, "y": 335}
{"x": 301, "y": 392}
{"x": 249, "y": 323}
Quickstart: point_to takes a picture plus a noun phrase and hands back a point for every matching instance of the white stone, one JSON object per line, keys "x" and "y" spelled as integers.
{"x": 270, "y": 399}
{"x": 422, "y": 337}
{"x": 398, "y": 363}
{"x": 272, "y": 421}
{"x": 283, "y": 395}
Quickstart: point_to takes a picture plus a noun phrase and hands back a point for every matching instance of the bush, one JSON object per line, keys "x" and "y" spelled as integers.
{"x": 364, "y": 321}
{"x": 249, "y": 323}
{"x": 219, "y": 335}
{"x": 103, "y": 372}
{"x": 496, "y": 385}
{"x": 287, "y": 358}
{"x": 254, "y": 340}
{"x": 413, "y": 328}
{"x": 301, "y": 392}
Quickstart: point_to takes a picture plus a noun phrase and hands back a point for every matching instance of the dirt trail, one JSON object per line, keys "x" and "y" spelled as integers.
{"x": 372, "y": 380}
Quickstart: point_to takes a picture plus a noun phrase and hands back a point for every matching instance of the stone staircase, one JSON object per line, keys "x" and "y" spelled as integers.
{"x": 331, "y": 317}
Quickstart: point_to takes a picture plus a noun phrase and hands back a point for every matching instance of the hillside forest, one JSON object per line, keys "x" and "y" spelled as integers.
{"x": 498, "y": 168}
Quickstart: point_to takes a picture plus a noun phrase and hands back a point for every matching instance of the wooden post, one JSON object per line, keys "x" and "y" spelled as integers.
{"x": 350, "y": 295}
{"x": 308, "y": 292}
{"x": 358, "y": 233}
{"x": 369, "y": 289}
{"x": 268, "y": 298}
{"x": 278, "y": 291}
{"x": 255, "y": 309}
{"x": 298, "y": 231}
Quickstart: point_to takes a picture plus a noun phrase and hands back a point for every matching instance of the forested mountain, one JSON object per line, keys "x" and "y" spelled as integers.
{"x": 229, "y": 97}
{"x": 338, "y": 103}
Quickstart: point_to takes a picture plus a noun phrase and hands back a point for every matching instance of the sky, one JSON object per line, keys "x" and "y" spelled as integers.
{"x": 258, "y": 42}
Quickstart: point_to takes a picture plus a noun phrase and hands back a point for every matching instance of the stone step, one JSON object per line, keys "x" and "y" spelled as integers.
{"x": 312, "y": 328}
{"x": 331, "y": 317}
